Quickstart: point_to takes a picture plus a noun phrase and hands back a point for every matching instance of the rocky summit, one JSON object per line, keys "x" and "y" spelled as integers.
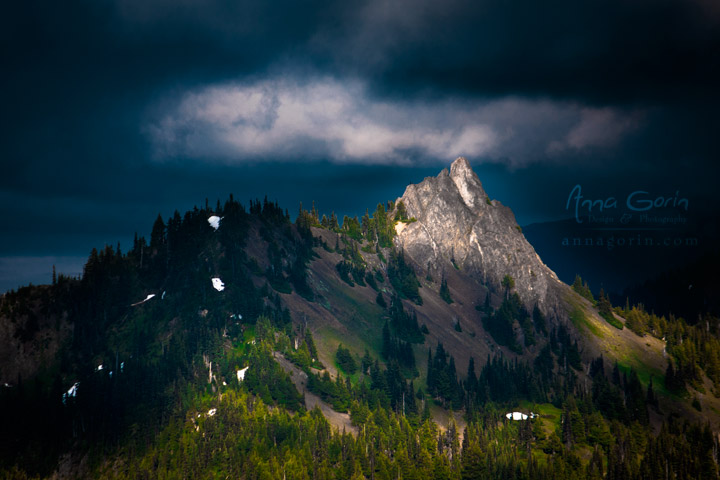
{"x": 459, "y": 226}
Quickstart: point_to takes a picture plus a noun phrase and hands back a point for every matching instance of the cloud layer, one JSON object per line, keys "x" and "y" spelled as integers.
{"x": 342, "y": 122}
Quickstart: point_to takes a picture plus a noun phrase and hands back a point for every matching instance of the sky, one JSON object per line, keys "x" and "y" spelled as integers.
{"x": 115, "y": 111}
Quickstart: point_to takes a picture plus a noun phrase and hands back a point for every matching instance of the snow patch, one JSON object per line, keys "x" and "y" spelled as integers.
{"x": 218, "y": 284}
{"x": 72, "y": 392}
{"x": 516, "y": 416}
{"x": 241, "y": 374}
{"x": 152, "y": 295}
{"x": 214, "y": 221}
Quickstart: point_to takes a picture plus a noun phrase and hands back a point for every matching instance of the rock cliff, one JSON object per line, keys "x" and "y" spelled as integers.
{"x": 458, "y": 226}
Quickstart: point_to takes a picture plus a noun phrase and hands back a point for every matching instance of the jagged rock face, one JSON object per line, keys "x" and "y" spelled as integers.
{"x": 457, "y": 222}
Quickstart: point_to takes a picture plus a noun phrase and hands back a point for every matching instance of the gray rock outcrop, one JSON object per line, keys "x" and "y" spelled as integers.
{"x": 458, "y": 223}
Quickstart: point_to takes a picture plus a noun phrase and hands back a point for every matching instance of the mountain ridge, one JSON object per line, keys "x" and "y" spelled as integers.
{"x": 434, "y": 288}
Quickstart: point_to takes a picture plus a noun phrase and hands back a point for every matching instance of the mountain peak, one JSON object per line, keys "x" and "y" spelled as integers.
{"x": 458, "y": 227}
{"x": 467, "y": 183}
{"x": 460, "y": 163}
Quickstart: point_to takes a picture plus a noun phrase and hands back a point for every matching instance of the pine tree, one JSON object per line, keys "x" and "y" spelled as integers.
{"x": 445, "y": 291}
{"x": 387, "y": 346}
{"x": 311, "y": 345}
{"x": 157, "y": 237}
{"x": 401, "y": 211}
{"x": 508, "y": 283}
{"x": 604, "y": 306}
{"x": 674, "y": 380}
{"x": 471, "y": 379}
{"x": 474, "y": 465}
{"x": 380, "y": 300}
{"x": 539, "y": 320}
{"x": 366, "y": 362}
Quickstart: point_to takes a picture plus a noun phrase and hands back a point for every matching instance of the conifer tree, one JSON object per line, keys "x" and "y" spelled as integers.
{"x": 508, "y": 283}
{"x": 157, "y": 237}
{"x": 604, "y": 306}
{"x": 445, "y": 291}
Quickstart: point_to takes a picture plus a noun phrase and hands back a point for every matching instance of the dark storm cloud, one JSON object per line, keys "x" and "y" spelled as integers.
{"x": 605, "y": 51}
{"x": 128, "y": 44}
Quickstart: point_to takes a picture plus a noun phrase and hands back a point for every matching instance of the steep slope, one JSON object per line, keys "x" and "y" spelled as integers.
{"x": 458, "y": 225}
{"x": 461, "y": 234}
{"x": 474, "y": 242}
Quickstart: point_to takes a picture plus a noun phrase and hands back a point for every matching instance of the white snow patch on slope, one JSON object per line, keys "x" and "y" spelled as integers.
{"x": 72, "y": 392}
{"x": 214, "y": 221}
{"x": 218, "y": 284}
{"x": 516, "y": 416}
{"x": 152, "y": 295}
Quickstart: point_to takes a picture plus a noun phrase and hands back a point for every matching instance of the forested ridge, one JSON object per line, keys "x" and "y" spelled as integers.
{"x": 159, "y": 393}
